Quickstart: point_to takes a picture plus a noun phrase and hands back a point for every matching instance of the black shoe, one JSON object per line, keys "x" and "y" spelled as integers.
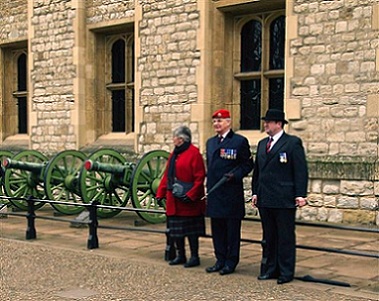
{"x": 178, "y": 260}
{"x": 266, "y": 277}
{"x": 226, "y": 270}
{"x": 214, "y": 268}
{"x": 192, "y": 262}
{"x": 282, "y": 280}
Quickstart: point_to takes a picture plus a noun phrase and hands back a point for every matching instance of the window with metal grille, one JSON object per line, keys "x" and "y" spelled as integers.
{"x": 261, "y": 76}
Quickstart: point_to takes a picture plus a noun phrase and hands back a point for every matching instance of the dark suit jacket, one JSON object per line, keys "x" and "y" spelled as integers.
{"x": 281, "y": 175}
{"x": 232, "y": 153}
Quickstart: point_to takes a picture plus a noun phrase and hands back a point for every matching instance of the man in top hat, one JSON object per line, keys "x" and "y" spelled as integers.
{"x": 228, "y": 158}
{"x": 279, "y": 186}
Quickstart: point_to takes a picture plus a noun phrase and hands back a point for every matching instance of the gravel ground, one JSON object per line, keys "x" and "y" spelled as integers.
{"x": 33, "y": 271}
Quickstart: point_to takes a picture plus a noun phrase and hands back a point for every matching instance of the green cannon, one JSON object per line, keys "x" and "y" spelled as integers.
{"x": 3, "y": 155}
{"x": 30, "y": 173}
{"x": 108, "y": 178}
{"x": 71, "y": 176}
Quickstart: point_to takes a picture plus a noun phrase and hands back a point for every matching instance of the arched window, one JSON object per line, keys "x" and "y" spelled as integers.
{"x": 261, "y": 73}
{"x": 121, "y": 85}
{"x": 21, "y": 93}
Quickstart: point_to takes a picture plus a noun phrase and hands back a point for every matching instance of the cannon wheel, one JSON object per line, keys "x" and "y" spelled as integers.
{"x": 22, "y": 183}
{"x": 146, "y": 177}
{"x": 3, "y": 155}
{"x": 62, "y": 180}
{"x": 98, "y": 185}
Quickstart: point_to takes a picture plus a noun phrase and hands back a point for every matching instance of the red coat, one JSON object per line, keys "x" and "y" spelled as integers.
{"x": 189, "y": 167}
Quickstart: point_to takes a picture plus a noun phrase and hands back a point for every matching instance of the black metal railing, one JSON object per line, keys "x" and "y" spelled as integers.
{"x": 93, "y": 225}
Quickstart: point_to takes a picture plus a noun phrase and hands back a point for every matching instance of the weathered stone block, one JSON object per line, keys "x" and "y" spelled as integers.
{"x": 359, "y": 217}
{"x": 347, "y": 202}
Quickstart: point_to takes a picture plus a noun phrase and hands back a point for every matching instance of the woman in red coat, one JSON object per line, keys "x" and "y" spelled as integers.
{"x": 185, "y": 214}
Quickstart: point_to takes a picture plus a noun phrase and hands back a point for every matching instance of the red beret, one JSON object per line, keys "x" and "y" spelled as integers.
{"x": 222, "y": 113}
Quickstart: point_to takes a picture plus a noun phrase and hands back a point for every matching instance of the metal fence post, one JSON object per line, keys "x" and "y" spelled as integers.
{"x": 31, "y": 232}
{"x": 93, "y": 241}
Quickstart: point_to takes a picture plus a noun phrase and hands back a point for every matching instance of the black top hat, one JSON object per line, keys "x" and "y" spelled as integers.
{"x": 275, "y": 115}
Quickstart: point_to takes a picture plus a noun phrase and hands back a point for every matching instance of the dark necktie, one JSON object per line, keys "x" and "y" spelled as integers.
{"x": 268, "y": 145}
{"x": 220, "y": 138}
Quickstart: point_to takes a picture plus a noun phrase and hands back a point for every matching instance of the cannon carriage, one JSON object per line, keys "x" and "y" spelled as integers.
{"x": 72, "y": 176}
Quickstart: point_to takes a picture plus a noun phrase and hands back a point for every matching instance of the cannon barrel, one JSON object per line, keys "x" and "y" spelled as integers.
{"x": 28, "y": 166}
{"x": 106, "y": 167}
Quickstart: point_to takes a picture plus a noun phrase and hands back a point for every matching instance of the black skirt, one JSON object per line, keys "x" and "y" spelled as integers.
{"x": 181, "y": 226}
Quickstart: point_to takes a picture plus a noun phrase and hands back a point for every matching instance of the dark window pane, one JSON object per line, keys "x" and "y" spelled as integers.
{"x": 118, "y": 111}
{"x": 21, "y": 73}
{"x": 251, "y": 104}
{"x": 251, "y": 46}
{"x": 276, "y": 94}
{"x": 277, "y": 35}
{"x": 118, "y": 62}
{"x": 22, "y": 115}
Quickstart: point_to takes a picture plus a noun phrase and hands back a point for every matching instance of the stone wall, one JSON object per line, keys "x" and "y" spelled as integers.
{"x": 108, "y": 10}
{"x": 167, "y": 63}
{"x": 52, "y": 75}
{"x": 13, "y": 20}
{"x": 336, "y": 79}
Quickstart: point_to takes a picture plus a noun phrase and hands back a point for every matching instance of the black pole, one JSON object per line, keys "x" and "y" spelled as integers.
{"x": 31, "y": 232}
{"x": 93, "y": 241}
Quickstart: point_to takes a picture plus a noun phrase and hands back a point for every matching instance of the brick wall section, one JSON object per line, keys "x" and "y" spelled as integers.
{"x": 52, "y": 75}
{"x": 13, "y": 20}
{"x": 167, "y": 63}
{"x": 334, "y": 75}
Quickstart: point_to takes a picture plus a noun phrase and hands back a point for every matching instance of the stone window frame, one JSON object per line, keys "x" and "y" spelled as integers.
{"x": 11, "y": 94}
{"x": 265, "y": 73}
{"x": 128, "y": 85}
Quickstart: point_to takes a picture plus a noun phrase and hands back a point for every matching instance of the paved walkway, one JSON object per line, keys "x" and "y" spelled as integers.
{"x": 129, "y": 265}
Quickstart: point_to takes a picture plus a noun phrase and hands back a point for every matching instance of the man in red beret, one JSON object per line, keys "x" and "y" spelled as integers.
{"x": 228, "y": 159}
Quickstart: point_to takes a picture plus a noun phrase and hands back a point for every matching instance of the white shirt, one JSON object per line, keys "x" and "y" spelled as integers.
{"x": 276, "y": 138}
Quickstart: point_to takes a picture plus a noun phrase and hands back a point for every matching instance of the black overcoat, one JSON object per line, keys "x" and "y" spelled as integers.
{"x": 233, "y": 153}
{"x": 281, "y": 175}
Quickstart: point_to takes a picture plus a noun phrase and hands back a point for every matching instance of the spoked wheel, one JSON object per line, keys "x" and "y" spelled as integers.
{"x": 3, "y": 155}
{"x": 24, "y": 183}
{"x": 62, "y": 180}
{"x": 103, "y": 186}
{"x": 145, "y": 181}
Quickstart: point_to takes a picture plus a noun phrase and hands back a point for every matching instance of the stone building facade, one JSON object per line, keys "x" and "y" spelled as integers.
{"x": 181, "y": 61}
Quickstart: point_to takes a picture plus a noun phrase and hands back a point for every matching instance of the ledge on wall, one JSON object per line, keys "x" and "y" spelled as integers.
{"x": 121, "y": 142}
{"x": 16, "y": 143}
{"x": 343, "y": 168}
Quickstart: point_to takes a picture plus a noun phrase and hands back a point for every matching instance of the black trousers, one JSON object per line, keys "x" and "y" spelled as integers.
{"x": 279, "y": 233}
{"x": 226, "y": 237}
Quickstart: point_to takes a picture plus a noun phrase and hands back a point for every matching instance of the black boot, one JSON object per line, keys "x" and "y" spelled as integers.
{"x": 181, "y": 256}
{"x": 194, "y": 246}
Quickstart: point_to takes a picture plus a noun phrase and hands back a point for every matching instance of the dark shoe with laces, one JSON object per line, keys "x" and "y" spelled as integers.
{"x": 192, "y": 262}
{"x": 178, "y": 260}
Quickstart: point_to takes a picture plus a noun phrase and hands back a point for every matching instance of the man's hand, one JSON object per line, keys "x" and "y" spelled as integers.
{"x": 300, "y": 201}
{"x": 254, "y": 200}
